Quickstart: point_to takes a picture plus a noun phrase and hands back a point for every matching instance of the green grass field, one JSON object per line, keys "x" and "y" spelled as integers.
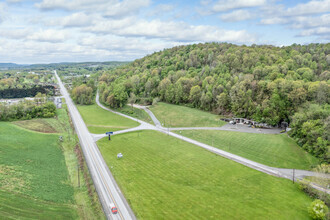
{"x": 38, "y": 174}
{"x": 165, "y": 178}
{"x": 136, "y": 113}
{"x": 100, "y": 121}
{"x": 32, "y": 169}
{"x": 41, "y": 125}
{"x": 18, "y": 206}
{"x": 269, "y": 149}
{"x": 181, "y": 116}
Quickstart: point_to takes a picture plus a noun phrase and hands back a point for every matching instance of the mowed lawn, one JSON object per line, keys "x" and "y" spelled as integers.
{"x": 34, "y": 181}
{"x": 165, "y": 178}
{"x": 100, "y": 121}
{"x": 276, "y": 150}
{"x": 180, "y": 116}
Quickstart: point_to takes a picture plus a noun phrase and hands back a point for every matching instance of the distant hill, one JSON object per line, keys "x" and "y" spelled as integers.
{"x": 5, "y": 66}
{"x": 9, "y": 65}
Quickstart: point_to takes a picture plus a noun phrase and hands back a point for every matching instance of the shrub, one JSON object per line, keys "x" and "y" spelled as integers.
{"x": 317, "y": 209}
{"x": 155, "y": 101}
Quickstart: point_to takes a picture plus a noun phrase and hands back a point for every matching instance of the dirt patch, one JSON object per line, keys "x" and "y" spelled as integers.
{"x": 39, "y": 125}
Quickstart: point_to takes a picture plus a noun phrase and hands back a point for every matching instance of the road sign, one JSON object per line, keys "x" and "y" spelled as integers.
{"x": 110, "y": 132}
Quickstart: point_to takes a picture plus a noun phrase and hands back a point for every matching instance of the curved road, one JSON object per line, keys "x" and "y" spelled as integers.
{"x": 104, "y": 182}
{"x": 279, "y": 172}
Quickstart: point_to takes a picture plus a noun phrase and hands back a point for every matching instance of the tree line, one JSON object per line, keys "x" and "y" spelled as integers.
{"x": 265, "y": 83}
{"x": 26, "y": 110}
{"x": 11, "y": 93}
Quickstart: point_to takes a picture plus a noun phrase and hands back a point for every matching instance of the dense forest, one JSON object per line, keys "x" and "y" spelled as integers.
{"x": 265, "y": 83}
{"x": 15, "y": 84}
{"x": 26, "y": 92}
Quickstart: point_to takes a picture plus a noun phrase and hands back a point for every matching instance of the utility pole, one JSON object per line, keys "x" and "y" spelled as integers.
{"x": 78, "y": 176}
{"x": 293, "y": 176}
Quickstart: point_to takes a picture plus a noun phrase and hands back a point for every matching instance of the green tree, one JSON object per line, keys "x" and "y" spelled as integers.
{"x": 195, "y": 95}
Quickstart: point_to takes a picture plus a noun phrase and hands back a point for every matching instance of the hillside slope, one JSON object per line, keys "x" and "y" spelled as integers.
{"x": 265, "y": 83}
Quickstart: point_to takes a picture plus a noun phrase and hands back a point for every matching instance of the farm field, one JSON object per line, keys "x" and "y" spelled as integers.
{"x": 165, "y": 178}
{"x": 276, "y": 150}
{"x": 38, "y": 173}
{"x": 100, "y": 121}
{"x": 180, "y": 116}
{"x": 33, "y": 169}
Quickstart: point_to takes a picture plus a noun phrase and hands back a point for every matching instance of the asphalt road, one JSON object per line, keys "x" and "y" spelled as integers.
{"x": 104, "y": 182}
{"x": 279, "y": 172}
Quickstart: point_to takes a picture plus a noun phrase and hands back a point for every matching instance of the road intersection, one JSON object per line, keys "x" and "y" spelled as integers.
{"x": 104, "y": 182}
{"x": 279, "y": 172}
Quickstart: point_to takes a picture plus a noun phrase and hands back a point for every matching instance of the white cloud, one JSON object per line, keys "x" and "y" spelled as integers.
{"x": 126, "y": 7}
{"x": 49, "y": 35}
{"x": 312, "y": 7}
{"x": 14, "y": 1}
{"x": 161, "y": 9}
{"x": 237, "y": 15}
{"x": 310, "y": 18}
{"x": 274, "y": 20}
{"x": 304, "y": 22}
{"x": 316, "y": 31}
{"x": 226, "y": 5}
{"x": 110, "y": 8}
{"x": 171, "y": 31}
{"x": 136, "y": 45}
{"x": 15, "y": 33}
{"x": 205, "y": 2}
{"x": 74, "y": 5}
{"x": 79, "y": 19}
{"x": 3, "y": 8}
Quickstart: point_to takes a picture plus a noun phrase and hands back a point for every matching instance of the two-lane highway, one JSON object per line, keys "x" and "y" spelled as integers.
{"x": 104, "y": 182}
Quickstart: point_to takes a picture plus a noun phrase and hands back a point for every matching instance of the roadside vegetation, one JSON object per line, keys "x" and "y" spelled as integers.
{"x": 135, "y": 112}
{"x": 265, "y": 83}
{"x": 26, "y": 110}
{"x": 276, "y": 150}
{"x": 165, "y": 178}
{"x": 100, "y": 121}
{"x": 38, "y": 173}
{"x": 311, "y": 130}
{"x": 181, "y": 116}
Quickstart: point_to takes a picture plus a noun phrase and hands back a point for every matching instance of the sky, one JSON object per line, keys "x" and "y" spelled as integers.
{"x": 49, "y": 31}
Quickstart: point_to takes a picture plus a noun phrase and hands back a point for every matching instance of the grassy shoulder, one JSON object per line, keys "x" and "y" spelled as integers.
{"x": 100, "y": 121}
{"x": 165, "y": 178}
{"x": 180, "y": 116}
{"x": 276, "y": 150}
{"x": 136, "y": 113}
{"x": 88, "y": 205}
{"x": 38, "y": 174}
